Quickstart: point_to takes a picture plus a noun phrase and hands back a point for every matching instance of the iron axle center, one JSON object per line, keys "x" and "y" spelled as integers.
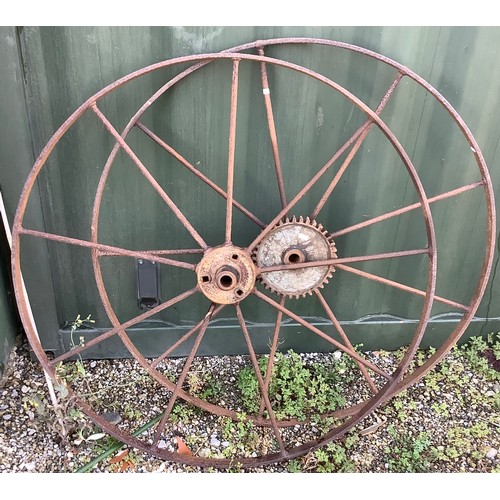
{"x": 226, "y": 274}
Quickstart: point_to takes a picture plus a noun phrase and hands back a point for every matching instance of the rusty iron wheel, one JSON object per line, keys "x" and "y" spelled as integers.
{"x": 227, "y": 274}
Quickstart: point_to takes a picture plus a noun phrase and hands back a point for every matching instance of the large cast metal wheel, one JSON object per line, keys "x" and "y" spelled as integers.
{"x": 294, "y": 256}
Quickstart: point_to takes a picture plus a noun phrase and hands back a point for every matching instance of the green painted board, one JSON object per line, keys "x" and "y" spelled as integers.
{"x": 9, "y": 326}
{"x": 62, "y": 67}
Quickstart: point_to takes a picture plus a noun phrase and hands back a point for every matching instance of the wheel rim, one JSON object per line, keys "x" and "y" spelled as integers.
{"x": 395, "y": 383}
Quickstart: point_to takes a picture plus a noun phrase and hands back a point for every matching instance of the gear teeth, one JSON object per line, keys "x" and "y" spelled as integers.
{"x": 254, "y": 255}
{"x": 328, "y": 237}
{"x": 272, "y": 290}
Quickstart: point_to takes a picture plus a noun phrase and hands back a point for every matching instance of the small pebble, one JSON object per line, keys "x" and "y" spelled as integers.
{"x": 214, "y": 442}
{"x": 492, "y": 453}
{"x": 111, "y": 417}
{"x": 162, "y": 467}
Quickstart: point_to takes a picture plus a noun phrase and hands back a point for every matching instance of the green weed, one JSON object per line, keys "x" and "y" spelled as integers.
{"x": 484, "y": 355}
{"x": 296, "y": 390}
{"x": 331, "y": 458}
{"x": 407, "y": 453}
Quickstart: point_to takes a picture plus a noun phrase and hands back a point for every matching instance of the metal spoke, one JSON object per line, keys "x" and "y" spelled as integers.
{"x": 345, "y": 338}
{"x": 201, "y": 176}
{"x": 124, "y": 326}
{"x": 334, "y": 262}
{"x": 309, "y": 185}
{"x": 154, "y": 253}
{"x": 354, "y": 150}
{"x": 262, "y": 387}
{"x": 272, "y": 129}
{"x": 112, "y": 250}
{"x": 184, "y": 338}
{"x": 231, "y": 150}
{"x": 182, "y": 378}
{"x": 400, "y": 286}
{"x": 323, "y": 335}
{"x": 272, "y": 353}
{"x": 409, "y": 208}
{"x": 178, "y": 213}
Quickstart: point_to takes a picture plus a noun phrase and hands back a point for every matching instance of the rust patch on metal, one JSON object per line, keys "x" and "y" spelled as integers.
{"x": 226, "y": 274}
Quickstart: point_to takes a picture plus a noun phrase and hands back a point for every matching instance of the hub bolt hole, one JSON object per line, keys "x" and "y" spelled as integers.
{"x": 205, "y": 279}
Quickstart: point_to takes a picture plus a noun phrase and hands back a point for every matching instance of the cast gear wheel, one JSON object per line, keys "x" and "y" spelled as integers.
{"x": 294, "y": 241}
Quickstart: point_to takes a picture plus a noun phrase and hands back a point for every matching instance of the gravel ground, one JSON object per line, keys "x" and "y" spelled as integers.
{"x": 448, "y": 422}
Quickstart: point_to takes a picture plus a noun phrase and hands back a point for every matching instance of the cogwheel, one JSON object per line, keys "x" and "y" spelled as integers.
{"x": 294, "y": 241}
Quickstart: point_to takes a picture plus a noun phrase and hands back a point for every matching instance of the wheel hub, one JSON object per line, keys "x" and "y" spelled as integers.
{"x": 293, "y": 242}
{"x": 226, "y": 274}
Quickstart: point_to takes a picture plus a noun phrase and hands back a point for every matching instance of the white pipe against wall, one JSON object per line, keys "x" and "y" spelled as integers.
{"x": 50, "y": 386}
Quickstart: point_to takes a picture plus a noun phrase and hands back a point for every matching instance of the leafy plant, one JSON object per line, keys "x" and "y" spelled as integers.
{"x": 484, "y": 355}
{"x": 441, "y": 409}
{"x": 211, "y": 390}
{"x": 331, "y": 458}
{"x": 203, "y": 385}
{"x": 75, "y": 421}
{"x": 242, "y": 437}
{"x": 407, "y": 453}
{"x": 293, "y": 466}
{"x": 183, "y": 412}
{"x": 295, "y": 389}
{"x": 458, "y": 442}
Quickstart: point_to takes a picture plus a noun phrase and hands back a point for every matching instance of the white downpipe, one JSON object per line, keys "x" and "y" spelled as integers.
{"x": 50, "y": 386}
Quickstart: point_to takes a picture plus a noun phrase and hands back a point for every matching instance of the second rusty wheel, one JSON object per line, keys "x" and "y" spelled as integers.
{"x": 294, "y": 255}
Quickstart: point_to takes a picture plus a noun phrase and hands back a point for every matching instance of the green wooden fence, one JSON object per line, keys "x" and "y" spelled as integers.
{"x": 48, "y": 72}
{"x": 8, "y": 320}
